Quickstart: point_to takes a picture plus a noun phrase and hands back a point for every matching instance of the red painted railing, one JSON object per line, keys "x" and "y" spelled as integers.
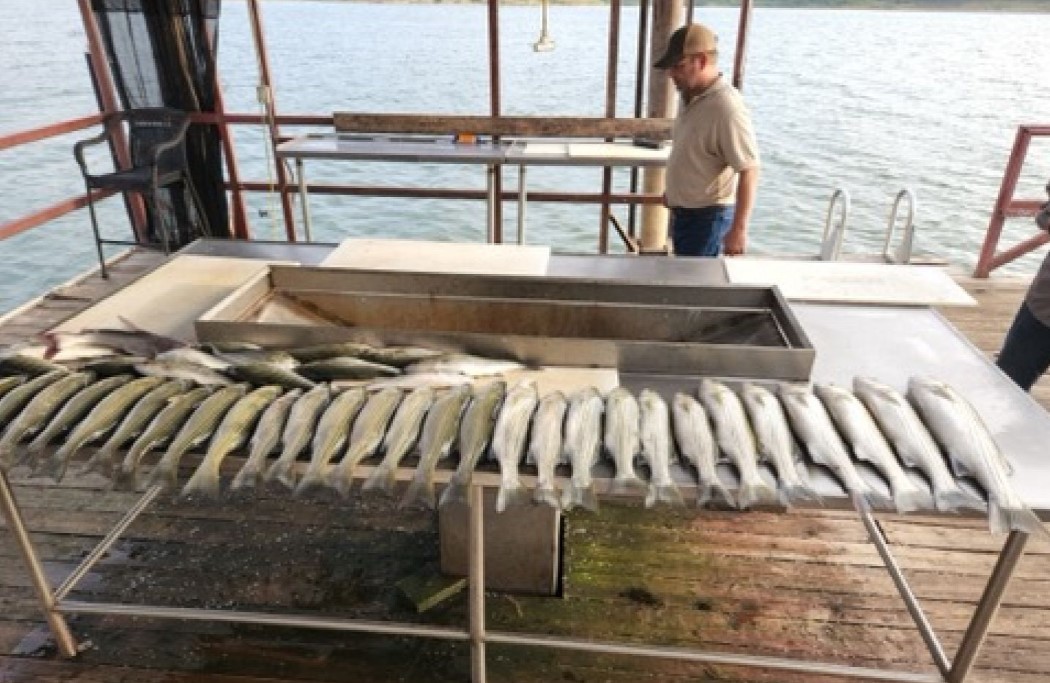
{"x": 1007, "y": 207}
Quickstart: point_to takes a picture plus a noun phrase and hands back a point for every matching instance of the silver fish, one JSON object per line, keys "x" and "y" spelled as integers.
{"x": 583, "y": 445}
{"x": 38, "y": 411}
{"x": 309, "y": 354}
{"x": 916, "y": 448}
{"x": 735, "y": 439}
{"x": 400, "y": 438}
{"x": 133, "y": 342}
{"x": 198, "y": 429}
{"x": 957, "y": 427}
{"x": 106, "y": 414}
{"x": 545, "y": 446}
{"x": 697, "y": 444}
{"x": 268, "y": 373}
{"x": 258, "y": 356}
{"x": 399, "y": 356}
{"x": 181, "y": 369}
{"x": 159, "y": 431}
{"x": 508, "y": 442}
{"x": 434, "y": 380}
{"x": 856, "y": 423}
{"x": 298, "y": 431}
{"x": 435, "y": 443}
{"x": 463, "y": 364}
{"x": 366, "y": 437}
{"x": 188, "y": 354}
{"x": 110, "y": 366}
{"x": 345, "y": 367}
{"x": 9, "y": 383}
{"x": 231, "y": 434}
{"x": 775, "y": 443}
{"x": 655, "y": 433}
{"x": 333, "y": 432}
{"x": 813, "y": 426}
{"x": 623, "y": 439}
{"x": 19, "y": 396}
{"x": 265, "y": 440}
{"x": 475, "y": 434}
{"x": 105, "y": 458}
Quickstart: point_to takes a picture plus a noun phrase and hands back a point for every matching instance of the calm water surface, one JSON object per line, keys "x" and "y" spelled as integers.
{"x": 868, "y": 101}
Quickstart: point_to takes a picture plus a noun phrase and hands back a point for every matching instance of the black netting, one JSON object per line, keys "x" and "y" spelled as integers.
{"x": 162, "y": 54}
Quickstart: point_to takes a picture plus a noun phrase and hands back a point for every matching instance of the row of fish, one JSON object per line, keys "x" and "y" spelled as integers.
{"x": 344, "y": 428}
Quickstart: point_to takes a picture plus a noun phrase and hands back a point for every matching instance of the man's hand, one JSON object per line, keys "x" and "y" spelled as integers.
{"x": 735, "y": 241}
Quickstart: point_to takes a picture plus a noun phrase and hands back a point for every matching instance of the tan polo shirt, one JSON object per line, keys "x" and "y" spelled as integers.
{"x": 711, "y": 142}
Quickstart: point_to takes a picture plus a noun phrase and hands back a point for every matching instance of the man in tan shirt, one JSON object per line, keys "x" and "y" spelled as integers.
{"x": 712, "y": 173}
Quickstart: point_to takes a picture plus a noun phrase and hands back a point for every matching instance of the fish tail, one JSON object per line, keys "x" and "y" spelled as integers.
{"x": 455, "y": 492}
{"x": 383, "y": 478}
{"x": 714, "y": 492}
{"x": 311, "y": 482}
{"x": 796, "y": 493}
{"x": 203, "y": 484}
{"x": 667, "y": 494}
{"x": 546, "y": 495}
{"x": 910, "y": 499}
{"x": 103, "y": 462}
{"x": 576, "y": 495}
{"x": 124, "y": 478}
{"x": 953, "y": 499}
{"x": 511, "y": 494}
{"x": 54, "y": 467}
{"x": 749, "y": 494}
{"x": 1002, "y": 520}
{"x": 877, "y": 498}
{"x": 625, "y": 485}
{"x": 165, "y": 475}
{"x": 247, "y": 478}
{"x": 283, "y": 471}
{"x": 419, "y": 490}
{"x": 7, "y": 457}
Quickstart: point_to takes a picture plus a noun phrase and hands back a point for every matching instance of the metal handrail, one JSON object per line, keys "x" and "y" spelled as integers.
{"x": 902, "y": 254}
{"x": 831, "y": 243}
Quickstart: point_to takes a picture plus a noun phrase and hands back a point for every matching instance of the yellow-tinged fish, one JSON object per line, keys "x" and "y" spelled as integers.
{"x": 298, "y": 431}
{"x": 16, "y": 398}
{"x": 475, "y": 434}
{"x": 265, "y": 440}
{"x": 439, "y": 432}
{"x": 400, "y": 439}
{"x": 38, "y": 411}
{"x": 366, "y": 436}
{"x": 333, "y": 432}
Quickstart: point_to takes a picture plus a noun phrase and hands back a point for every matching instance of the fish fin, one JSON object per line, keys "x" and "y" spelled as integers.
{"x": 311, "y": 482}
{"x": 749, "y": 494}
{"x": 248, "y": 478}
{"x": 510, "y": 495}
{"x": 455, "y": 492}
{"x": 876, "y": 498}
{"x": 711, "y": 492}
{"x": 283, "y": 471}
{"x": 383, "y": 478}
{"x": 911, "y": 499}
{"x": 664, "y": 493}
{"x": 203, "y": 485}
{"x": 124, "y": 479}
{"x": 1002, "y": 520}
{"x": 789, "y": 494}
{"x": 546, "y": 495}
{"x": 626, "y": 485}
{"x": 580, "y": 496}
{"x": 959, "y": 468}
{"x": 954, "y": 498}
{"x": 54, "y": 467}
{"x": 420, "y": 490}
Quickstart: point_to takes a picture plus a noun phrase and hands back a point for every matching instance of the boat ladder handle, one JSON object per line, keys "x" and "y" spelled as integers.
{"x": 902, "y": 254}
{"x": 831, "y": 243}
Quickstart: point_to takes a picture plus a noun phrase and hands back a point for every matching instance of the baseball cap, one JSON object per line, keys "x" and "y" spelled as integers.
{"x": 691, "y": 39}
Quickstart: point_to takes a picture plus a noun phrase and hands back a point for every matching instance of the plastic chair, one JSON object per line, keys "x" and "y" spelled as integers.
{"x": 156, "y": 140}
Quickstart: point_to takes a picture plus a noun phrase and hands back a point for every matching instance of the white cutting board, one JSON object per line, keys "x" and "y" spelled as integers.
{"x": 845, "y": 282}
{"x": 566, "y": 379}
{"x": 440, "y": 257}
{"x": 168, "y": 300}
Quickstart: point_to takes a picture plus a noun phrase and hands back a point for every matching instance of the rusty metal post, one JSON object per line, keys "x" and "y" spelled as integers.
{"x": 495, "y": 182}
{"x": 639, "y": 97}
{"x": 741, "y": 44}
{"x": 610, "y": 112}
{"x": 271, "y": 113}
{"x": 1006, "y": 192}
{"x": 667, "y": 16}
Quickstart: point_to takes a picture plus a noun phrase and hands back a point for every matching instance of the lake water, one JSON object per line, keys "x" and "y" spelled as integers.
{"x": 867, "y": 101}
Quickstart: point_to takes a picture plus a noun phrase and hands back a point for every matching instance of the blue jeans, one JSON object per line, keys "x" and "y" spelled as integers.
{"x": 1025, "y": 355}
{"x": 699, "y": 232}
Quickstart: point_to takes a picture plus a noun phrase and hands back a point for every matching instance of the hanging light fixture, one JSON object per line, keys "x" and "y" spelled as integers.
{"x": 544, "y": 43}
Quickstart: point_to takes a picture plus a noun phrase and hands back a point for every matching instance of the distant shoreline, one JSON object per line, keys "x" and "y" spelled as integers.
{"x": 1013, "y": 6}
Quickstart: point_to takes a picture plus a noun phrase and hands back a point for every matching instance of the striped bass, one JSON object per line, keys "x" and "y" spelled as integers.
{"x": 366, "y": 437}
{"x": 463, "y": 364}
{"x": 38, "y": 411}
{"x": 397, "y": 356}
{"x": 265, "y": 439}
{"x": 814, "y": 428}
{"x": 545, "y": 446}
{"x": 623, "y": 439}
{"x": 333, "y": 432}
{"x": 401, "y": 438}
{"x": 9, "y": 383}
{"x": 160, "y": 430}
{"x": 71, "y": 413}
{"x": 16, "y": 398}
{"x": 435, "y": 443}
{"x": 345, "y": 367}
{"x": 103, "y": 417}
{"x": 269, "y": 373}
{"x": 475, "y": 434}
{"x": 697, "y": 444}
{"x": 973, "y": 452}
{"x": 298, "y": 430}
{"x": 188, "y": 354}
{"x": 181, "y": 369}
{"x": 856, "y": 423}
{"x": 133, "y": 342}
{"x": 233, "y": 433}
{"x": 435, "y": 380}
{"x": 508, "y": 442}
{"x": 655, "y": 433}
{"x": 775, "y": 443}
{"x": 104, "y": 461}
{"x": 197, "y": 430}
{"x": 914, "y": 445}
{"x": 583, "y": 446}
{"x": 736, "y": 440}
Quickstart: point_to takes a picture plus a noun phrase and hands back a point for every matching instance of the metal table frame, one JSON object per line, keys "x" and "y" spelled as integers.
{"x": 55, "y": 605}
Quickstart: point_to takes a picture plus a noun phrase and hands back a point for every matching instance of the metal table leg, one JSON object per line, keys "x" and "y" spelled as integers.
{"x": 67, "y": 645}
{"x": 476, "y": 575}
{"x": 522, "y": 201}
{"x": 987, "y": 608}
{"x": 303, "y": 199}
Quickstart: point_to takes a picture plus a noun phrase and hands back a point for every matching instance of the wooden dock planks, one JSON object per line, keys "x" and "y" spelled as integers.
{"x": 801, "y": 584}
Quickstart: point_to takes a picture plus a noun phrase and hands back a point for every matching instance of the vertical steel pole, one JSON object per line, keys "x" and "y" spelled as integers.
{"x": 987, "y": 608}
{"x": 476, "y": 576}
{"x": 639, "y": 101}
{"x": 67, "y": 645}
{"x": 610, "y": 112}
{"x": 496, "y": 170}
{"x": 271, "y": 114}
{"x": 741, "y": 44}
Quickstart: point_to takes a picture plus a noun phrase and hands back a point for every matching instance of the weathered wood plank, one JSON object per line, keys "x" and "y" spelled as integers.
{"x": 518, "y": 126}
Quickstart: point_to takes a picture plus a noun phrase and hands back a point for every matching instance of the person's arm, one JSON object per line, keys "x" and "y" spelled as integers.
{"x": 735, "y": 242}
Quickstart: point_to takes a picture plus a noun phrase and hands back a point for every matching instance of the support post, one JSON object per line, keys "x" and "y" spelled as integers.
{"x": 610, "y": 112}
{"x": 496, "y": 219}
{"x": 476, "y": 585}
{"x": 743, "y": 29}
